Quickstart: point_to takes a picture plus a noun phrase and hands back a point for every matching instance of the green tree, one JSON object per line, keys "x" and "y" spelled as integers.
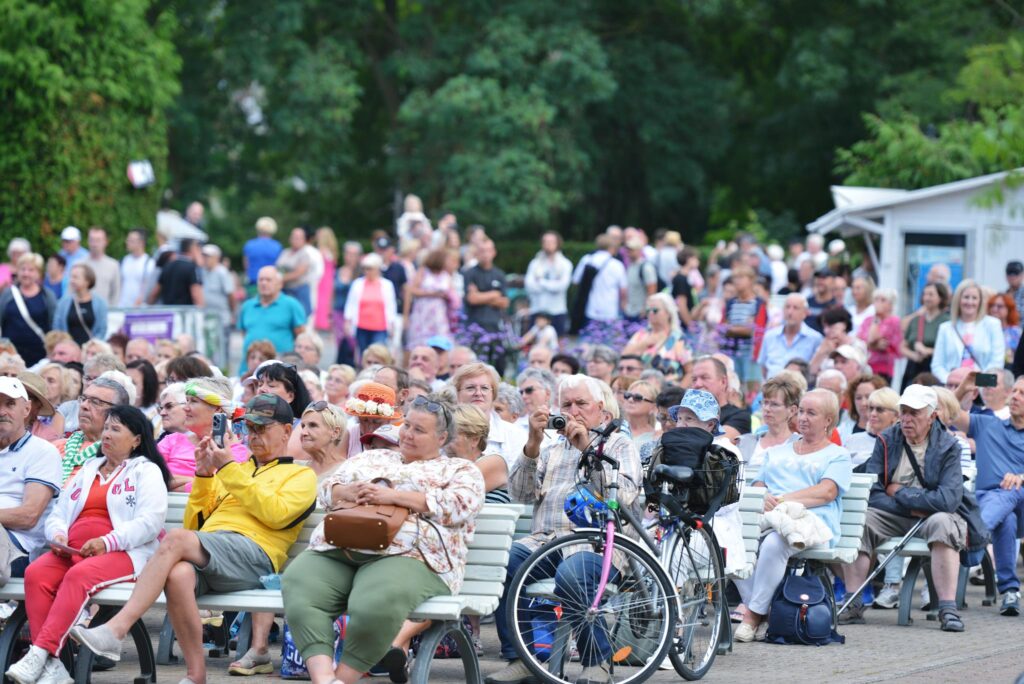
{"x": 85, "y": 87}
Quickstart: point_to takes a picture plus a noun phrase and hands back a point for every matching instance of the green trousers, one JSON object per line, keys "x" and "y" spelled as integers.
{"x": 376, "y": 593}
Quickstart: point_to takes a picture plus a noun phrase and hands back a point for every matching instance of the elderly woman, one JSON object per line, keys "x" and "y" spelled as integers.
{"x": 339, "y": 378}
{"x": 661, "y": 345}
{"x": 147, "y": 384}
{"x": 564, "y": 364}
{"x": 882, "y": 334}
{"x": 641, "y": 412}
{"x": 969, "y": 338}
{"x": 477, "y": 384}
{"x": 883, "y": 411}
{"x": 310, "y": 348}
{"x": 509, "y": 405}
{"x": 371, "y": 310}
{"x": 282, "y": 380}
{"x": 857, "y": 392}
{"x": 862, "y": 289}
{"x": 470, "y": 443}
{"x": 781, "y": 400}
{"x": 922, "y": 329}
{"x": 372, "y": 404}
{"x": 204, "y": 397}
{"x": 26, "y": 310}
{"x": 376, "y": 355}
{"x": 171, "y": 408}
{"x": 311, "y": 379}
{"x": 378, "y": 590}
{"x": 43, "y": 420}
{"x": 79, "y": 312}
{"x": 600, "y": 362}
{"x": 62, "y": 384}
{"x": 811, "y": 471}
{"x": 536, "y": 387}
{"x": 323, "y": 433}
{"x": 115, "y": 536}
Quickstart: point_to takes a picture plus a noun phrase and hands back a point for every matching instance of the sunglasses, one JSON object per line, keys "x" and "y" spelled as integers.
{"x": 653, "y": 310}
{"x": 633, "y": 396}
{"x": 879, "y": 409}
{"x": 527, "y": 390}
{"x": 318, "y": 406}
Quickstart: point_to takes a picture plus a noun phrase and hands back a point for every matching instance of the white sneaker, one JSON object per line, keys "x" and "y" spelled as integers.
{"x": 926, "y": 598}
{"x": 54, "y": 673}
{"x": 744, "y": 633}
{"x": 889, "y": 597}
{"x": 30, "y": 668}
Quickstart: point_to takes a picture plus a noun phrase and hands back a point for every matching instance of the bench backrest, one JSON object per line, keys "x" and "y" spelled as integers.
{"x": 488, "y": 550}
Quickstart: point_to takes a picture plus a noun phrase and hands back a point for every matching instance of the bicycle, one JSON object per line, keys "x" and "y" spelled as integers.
{"x": 655, "y": 598}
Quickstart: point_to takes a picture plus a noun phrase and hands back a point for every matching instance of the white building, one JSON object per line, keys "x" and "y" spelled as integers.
{"x": 974, "y": 225}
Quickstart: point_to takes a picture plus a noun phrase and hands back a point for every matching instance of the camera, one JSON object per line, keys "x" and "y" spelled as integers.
{"x": 556, "y": 422}
{"x": 220, "y": 423}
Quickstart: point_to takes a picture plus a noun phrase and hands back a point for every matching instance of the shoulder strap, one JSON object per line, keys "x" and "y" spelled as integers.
{"x": 914, "y": 464}
{"x": 19, "y": 301}
{"x": 81, "y": 319}
{"x": 966, "y": 346}
{"x": 920, "y": 328}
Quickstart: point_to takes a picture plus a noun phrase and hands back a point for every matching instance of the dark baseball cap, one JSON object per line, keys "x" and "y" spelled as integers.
{"x": 824, "y": 273}
{"x": 265, "y": 409}
{"x": 1014, "y": 268}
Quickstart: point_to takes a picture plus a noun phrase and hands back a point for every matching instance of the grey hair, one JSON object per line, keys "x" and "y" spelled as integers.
{"x": 1007, "y": 374}
{"x": 445, "y": 418}
{"x": 174, "y": 391}
{"x": 121, "y": 397}
{"x": 541, "y": 375}
{"x": 103, "y": 363}
{"x": 653, "y": 375}
{"x": 509, "y": 395}
{"x": 831, "y": 372}
{"x": 887, "y": 293}
{"x": 600, "y": 352}
{"x": 568, "y": 382}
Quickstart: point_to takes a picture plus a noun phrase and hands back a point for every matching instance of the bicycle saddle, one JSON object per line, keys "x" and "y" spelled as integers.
{"x": 681, "y": 475}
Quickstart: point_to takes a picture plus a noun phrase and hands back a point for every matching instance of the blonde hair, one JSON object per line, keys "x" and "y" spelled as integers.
{"x": 266, "y": 226}
{"x": 69, "y": 384}
{"x": 473, "y": 369}
{"x": 326, "y": 241}
{"x": 949, "y": 407}
{"x": 669, "y": 304}
{"x": 379, "y": 351}
{"x": 32, "y": 259}
{"x": 348, "y": 373}
{"x": 887, "y": 397}
{"x": 647, "y": 389}
{"x": 831, "y": 406}
{"x": 966, "y": 284}
{"x": 472, "y": 422}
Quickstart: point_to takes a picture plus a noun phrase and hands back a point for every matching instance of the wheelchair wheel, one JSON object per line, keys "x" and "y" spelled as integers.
{"x": 558, "y": 634}
{"x": 694, "y": 565}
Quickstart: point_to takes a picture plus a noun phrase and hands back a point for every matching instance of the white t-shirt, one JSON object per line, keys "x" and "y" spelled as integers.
{"x": 134, "y": 271}
{"x": 603, "y": 303}
{"x": 30, "y": 459}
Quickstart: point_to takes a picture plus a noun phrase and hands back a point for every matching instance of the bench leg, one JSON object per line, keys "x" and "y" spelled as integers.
{"x": 988, "y": 572}
{"x": 143, "y": 645}
{"x": 9, "y": 636}
{"x": 428, "y": 645}
{"x": 165, "y": 648}
{"x": 961, "y": 586}
{"x": 907, "y": 591}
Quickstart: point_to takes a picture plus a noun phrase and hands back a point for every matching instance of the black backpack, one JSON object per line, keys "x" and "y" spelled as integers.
{"x": 716, "y": 469}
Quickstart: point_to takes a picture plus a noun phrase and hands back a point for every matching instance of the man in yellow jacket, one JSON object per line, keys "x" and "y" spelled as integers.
{"x": 240, "y": 521}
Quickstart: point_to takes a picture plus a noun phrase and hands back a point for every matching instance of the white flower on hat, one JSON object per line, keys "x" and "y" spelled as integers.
{"x": 371, "y": 407}
{"x": 386, "y": 410}
{"x": 356, "y": 405}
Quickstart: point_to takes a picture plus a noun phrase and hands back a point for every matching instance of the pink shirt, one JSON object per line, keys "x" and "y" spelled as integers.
{"x": 180, "y": 454}
{"x": 883, "y": 361}
{"x": 371, "y": 307}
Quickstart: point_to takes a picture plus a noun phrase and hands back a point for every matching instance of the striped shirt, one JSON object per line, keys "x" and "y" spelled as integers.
{"x": 547, "y": 480}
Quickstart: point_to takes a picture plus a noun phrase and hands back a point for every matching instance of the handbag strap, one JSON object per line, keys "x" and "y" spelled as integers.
{"x": 19, "y": 302}
{"x": 914, "y": 464}
{"x": 966, "y": 346}
{"x": 81, "y": 319}
{"x": 920, "y": 328}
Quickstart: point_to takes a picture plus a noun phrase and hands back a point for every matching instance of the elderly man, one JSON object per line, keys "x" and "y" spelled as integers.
{"x": 917, "y": 462}
{"x": 850, "y": 360}
{"x": 458, "y": 357}
{"x": 539, "y": 357}
{"x": 97, "y": 398}
{"x": 270, "y": 315}
{"x": 1000, "y": 448}
{"x": 423, "y": 361}
{"x": 711, "y": 374}
{"x": 794, "y": 339}
{"x": 250, "y": 514}
{"x": 544, "y": 476}
{"x": 106, "y": 268}
{"x": 139, "y": 349}
{"x": 29, "y": 481}
{"x": 997, "y": 398}
{"x": 94, "y": 368}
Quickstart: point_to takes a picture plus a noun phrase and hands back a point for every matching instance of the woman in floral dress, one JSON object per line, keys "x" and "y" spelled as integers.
{"x": 427, "y": 301}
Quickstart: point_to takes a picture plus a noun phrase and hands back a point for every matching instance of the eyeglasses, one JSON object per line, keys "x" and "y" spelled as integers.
{"x": 879, "y": 409}
{"x": 477, "y": 389}
{"x": 652, "y": 310}
{"x": 257, "y": 429}
{"x": 94, "y": 401}
{"x": 633, "y": 396}
{"x": 629, "y": 369}
{"x": 166, "y": 408}
{"x": 527, "y": 390}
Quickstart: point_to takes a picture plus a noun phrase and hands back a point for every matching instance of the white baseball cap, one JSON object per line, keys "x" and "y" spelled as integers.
{"x": 13, "y": 388}
{"x": 851, "y": 352}
{"x": 71, "y": 233}
{"x": 919, "y": 397}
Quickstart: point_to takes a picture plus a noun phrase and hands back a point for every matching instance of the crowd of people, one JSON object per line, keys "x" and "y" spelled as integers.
{"x": 410, "y": 375}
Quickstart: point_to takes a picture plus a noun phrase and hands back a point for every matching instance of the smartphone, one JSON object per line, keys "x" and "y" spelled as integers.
{"x": 65, "y": 549}
{"x": 986, "y": 380}
{"x": 220, "y": 426}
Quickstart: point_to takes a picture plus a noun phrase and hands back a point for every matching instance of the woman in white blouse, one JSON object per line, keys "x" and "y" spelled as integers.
{"x": 969, "y": 338}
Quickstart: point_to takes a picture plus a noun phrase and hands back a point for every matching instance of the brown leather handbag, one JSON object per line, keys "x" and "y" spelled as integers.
{"x": 364, "y": 526}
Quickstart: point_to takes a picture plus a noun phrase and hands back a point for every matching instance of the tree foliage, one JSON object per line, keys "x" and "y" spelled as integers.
{"x": 85, "y": 87}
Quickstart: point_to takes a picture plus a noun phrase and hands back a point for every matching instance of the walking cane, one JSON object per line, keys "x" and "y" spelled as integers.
{"x": 881, "y": 565}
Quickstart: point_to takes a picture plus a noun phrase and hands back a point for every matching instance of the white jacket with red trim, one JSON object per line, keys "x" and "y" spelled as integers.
{"x": 136, "y": 503}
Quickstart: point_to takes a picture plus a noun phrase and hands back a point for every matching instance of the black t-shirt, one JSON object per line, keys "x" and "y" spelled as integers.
{"x": 814, "y": 309}
{"x": 485, "y": 280}
{"x": 81, "y": 328}
{"x": 397, "y": 275}
{"x": 735, "y": 417}
{"x": 681, "y": 288}
{"x": 176, "y": 281}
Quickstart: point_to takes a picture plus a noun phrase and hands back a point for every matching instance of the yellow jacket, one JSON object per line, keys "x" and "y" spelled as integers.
{"x": 266, "y": 503}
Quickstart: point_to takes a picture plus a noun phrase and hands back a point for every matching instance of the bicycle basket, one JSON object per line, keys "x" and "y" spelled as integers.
{"x": 716, "y": 468}
{"x": 584, "y": 508}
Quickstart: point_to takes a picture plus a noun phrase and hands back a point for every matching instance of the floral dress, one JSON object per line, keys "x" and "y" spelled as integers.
{"x": 454, "y": 489}
{"x": 428, "y": 316}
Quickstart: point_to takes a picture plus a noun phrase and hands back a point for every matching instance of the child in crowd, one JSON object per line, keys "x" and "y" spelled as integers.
{"x": 542, "y": 333}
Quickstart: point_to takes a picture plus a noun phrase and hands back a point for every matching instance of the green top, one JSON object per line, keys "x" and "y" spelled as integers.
{"x": 931, "y": 329}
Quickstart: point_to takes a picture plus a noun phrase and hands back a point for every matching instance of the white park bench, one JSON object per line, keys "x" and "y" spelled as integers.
{"x": 485, "y": 575}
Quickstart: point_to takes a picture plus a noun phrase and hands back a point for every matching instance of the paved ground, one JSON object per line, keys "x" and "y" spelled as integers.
{"x": 992, "y": 649}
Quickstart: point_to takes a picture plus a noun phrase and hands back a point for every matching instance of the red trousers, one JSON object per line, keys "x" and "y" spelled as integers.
{"x": 57, "y": 589}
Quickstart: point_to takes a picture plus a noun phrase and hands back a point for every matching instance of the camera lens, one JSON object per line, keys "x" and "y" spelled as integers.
{"x": 556, "y": 422}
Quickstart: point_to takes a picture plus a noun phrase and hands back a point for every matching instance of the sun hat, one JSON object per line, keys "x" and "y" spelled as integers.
{"x": 701, "y": 402}
{"x": 36, "y": 387}
{"x": 373, "y": 400}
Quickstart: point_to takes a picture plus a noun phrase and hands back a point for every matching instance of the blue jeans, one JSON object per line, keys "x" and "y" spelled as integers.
{"x": 364, "y": 338}
{"x": 999, "y": 510}
{"x": 576, "y": 579}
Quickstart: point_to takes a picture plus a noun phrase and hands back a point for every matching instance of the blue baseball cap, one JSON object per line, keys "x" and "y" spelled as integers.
{"x": 701, "y": 402}
{"x": 440, "y": 342}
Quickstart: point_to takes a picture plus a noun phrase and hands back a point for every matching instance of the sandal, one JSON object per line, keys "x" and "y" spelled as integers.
{"x": 396, "y": 663}
{"x": 735, "y": 616}
{"x": 951, "y": 621}
{"x": 252, "y": 663}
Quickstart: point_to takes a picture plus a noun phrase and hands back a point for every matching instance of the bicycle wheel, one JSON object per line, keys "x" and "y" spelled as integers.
{"x": 694, "y": 564}
{"x": 628, "y": 634}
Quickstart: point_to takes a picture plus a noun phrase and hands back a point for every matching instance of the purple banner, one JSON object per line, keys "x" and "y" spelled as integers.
{"x": 158, "y": 325}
